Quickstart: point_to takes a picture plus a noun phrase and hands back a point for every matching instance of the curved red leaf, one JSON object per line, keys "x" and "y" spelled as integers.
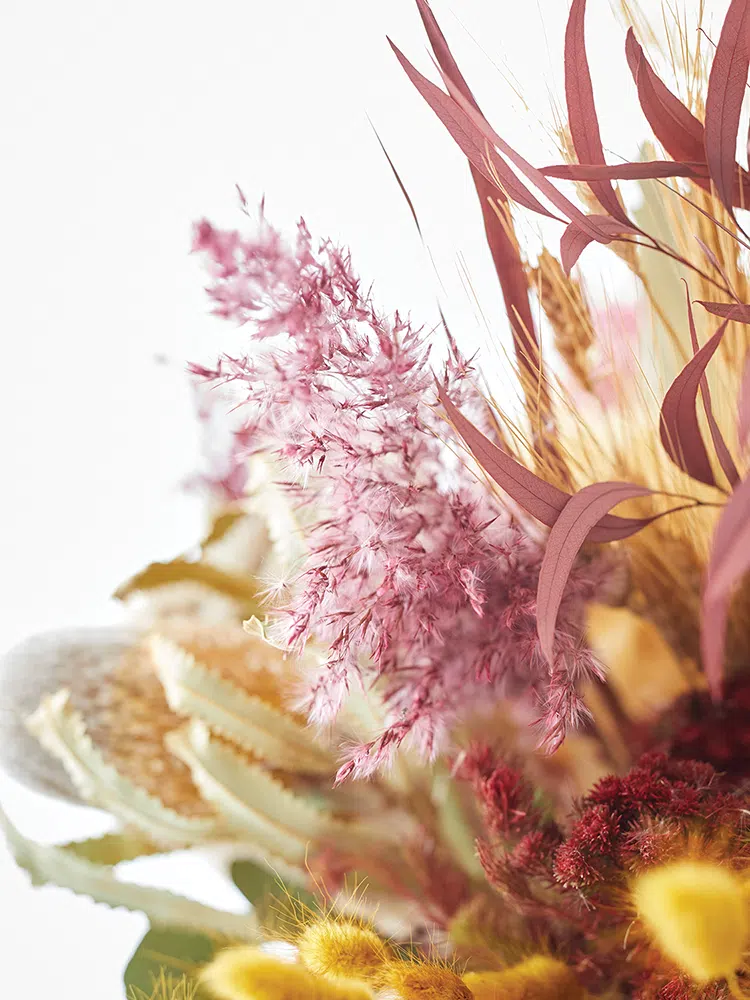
{"x": 505, "y": 255}
{"x": 573, "y": 241}
{"x": 442, "y": 52}
{"x": 726, "y": 89}
{"x": 676, "y": 128}
{"x": 728, "y": 310}
{"x": 728, "y": 562}
{"x": 645, "y": 170}
{"x": 540, "y": 499}
{"x": 720, "y": 446}
{"x": 582, "y": 118}
{"x": 743, "y": 407}
{"x": 470, "y": 140}
{"x": 558, "y": 199}
{"x": 574, "y": 525}
{"x": 678, "y": 427}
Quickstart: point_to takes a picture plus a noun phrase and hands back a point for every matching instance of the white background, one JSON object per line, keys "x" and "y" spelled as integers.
{"x": 121, "y": 123}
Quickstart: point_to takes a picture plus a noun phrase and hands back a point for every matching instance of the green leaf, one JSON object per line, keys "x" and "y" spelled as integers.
{"x": 259, "y": 885}
{"x": 254, "y": 882}
{"x": 168, "y": 954}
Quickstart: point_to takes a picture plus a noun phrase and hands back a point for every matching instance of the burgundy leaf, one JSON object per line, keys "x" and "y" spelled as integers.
{"x": 500, "y": 239}
{"x": 573, "y": 241}
{"x": 743, "y": 407}
{"x": 726, "y": 89}
{"x": 728, "y": 310}
{"x": 540, "y": 499}
{"x": 722, "y": 451}
{"x": 678, "y": 426}
{"x": 470, "y": 140}
{"x": 442, "y": 52}
{"x": 676, "y": 128}
{"x": 582, "y": 118}
{"x": 582, "y": 513}
{"x": 565, "y": 205}
{"x": 728, "y": 562}
{"x": 645, "y": 170}
{"x": 515, "y": 287}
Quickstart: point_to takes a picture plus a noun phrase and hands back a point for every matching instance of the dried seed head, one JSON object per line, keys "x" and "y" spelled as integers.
{"x": 536, "y": 978}
{"x": 696, "y": 913}
{"x": 421, "y": 981}
{"x": 339, "y": 949}
{"x": 249, "y": 974}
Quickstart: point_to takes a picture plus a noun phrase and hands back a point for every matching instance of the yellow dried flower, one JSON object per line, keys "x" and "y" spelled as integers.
{"x": 536, "y": 978}
{"x": 249, "y": 974}
{"x": 696, "y": 913}
{"x": 340, "y": 949}
{"x": 422, "y": 981}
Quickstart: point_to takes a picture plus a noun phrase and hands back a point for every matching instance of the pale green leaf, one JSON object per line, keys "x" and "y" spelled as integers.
{"x": 57, "y": 866}
{"x": 254, "y": 803}
{"x": 61, "y": 730}
{"x": 246, "y": 720}
{"x": 114, "y": 848}
{"x": 258, "y": 806}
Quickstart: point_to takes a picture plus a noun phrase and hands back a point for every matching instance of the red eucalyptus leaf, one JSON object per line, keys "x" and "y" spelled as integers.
{"x": 573, "y": 241}
{"x": 540, "y": 499}
{"x": 470, "y": 140}
{"x": 678, "y": 427}
{"x": 645, "y": 170}
{"x": 728, "y": 310}
{"x": 676, "y": 128}
{"x": 743, "y": 407}
{"x": 505, "y": 255}
{"x": 582, "y": 513}
{"x": 727, "y": 564}
{"x": 442, "y": 52}
{"x": 720, "y": 446}
{"x": 565, "y": 205}
{"x": 726, "y": 89}
{"x": 582, "y": 118}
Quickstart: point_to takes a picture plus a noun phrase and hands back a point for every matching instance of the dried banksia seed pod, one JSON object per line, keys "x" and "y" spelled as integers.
{"x": 79, "y": 660}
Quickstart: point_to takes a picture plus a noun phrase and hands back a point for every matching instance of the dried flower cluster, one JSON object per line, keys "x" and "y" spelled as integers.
{"x": 414, "y": 573}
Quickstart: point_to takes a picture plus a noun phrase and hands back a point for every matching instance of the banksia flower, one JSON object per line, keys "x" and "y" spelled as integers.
{"x": 249, "y": 974}
{"x": 697, "y": 915}
{"x": 539, "y": 977}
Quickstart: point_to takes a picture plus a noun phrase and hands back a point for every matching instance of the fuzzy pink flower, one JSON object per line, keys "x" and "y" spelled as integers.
{"x": 416, "y": 576}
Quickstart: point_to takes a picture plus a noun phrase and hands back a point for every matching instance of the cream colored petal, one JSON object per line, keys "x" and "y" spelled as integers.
{"x": 193, "y": 689}
{"x": 61, "y": 730}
